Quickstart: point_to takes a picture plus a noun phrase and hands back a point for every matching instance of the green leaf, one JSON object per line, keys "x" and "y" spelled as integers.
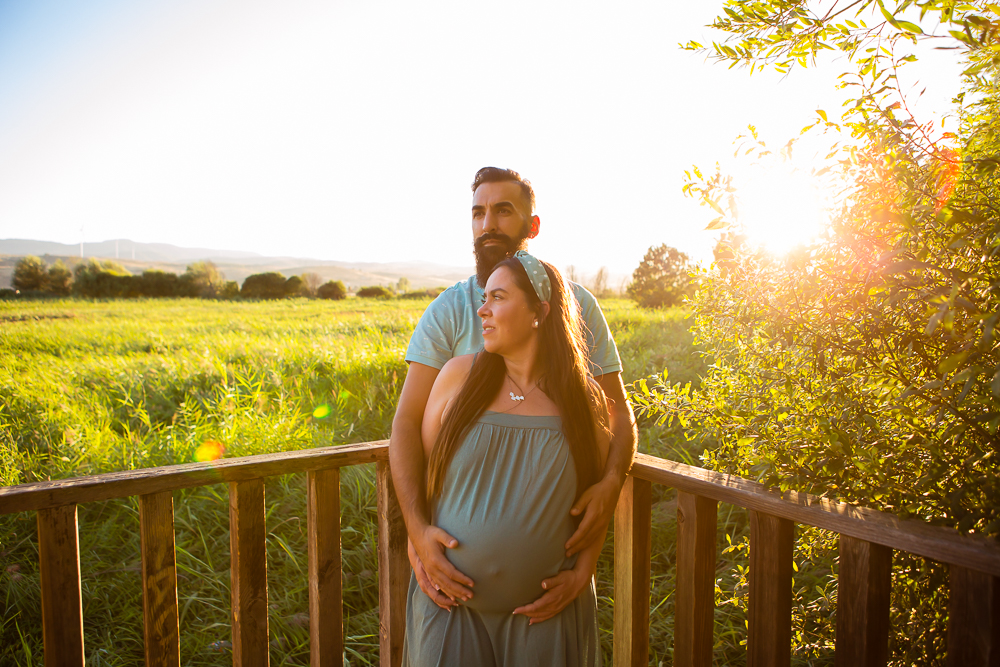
{"x": 953, "y": 362}
{"x": 909, "y": 27}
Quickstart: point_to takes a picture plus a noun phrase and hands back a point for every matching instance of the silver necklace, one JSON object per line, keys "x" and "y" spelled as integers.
{"x": 518, "y": 398}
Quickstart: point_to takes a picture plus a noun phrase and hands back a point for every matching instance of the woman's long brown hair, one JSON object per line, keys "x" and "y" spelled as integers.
{"x": 565, "y": 381}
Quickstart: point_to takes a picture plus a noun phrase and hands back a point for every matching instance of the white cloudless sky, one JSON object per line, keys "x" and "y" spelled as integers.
{"x": 352, "y": 130}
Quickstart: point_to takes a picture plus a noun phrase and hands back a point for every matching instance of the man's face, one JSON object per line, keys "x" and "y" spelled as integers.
{"x": 501, "y": 223}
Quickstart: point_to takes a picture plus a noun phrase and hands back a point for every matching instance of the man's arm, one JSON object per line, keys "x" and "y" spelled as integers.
{"x": 406, "y": 461}
{"x": 597, "y": 503}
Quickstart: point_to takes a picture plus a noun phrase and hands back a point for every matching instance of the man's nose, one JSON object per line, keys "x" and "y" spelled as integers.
{"x": 490, "y": 222}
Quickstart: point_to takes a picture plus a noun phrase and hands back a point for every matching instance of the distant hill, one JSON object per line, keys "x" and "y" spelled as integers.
{"x": 236, "y": 265}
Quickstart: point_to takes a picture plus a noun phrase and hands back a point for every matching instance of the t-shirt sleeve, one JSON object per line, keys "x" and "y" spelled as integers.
{"x": 603, "y": 351}
{"x": 433, "y": 339}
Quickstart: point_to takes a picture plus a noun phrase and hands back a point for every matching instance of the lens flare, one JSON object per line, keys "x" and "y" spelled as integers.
{"x": 322, "y": 412}
{"x": 210, "y": 450}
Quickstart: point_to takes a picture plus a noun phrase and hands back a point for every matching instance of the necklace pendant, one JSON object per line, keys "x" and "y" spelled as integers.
{"x": 516, "y": 398}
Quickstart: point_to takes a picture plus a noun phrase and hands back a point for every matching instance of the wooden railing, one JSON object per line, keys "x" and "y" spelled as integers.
{"x": 867, "y": 540}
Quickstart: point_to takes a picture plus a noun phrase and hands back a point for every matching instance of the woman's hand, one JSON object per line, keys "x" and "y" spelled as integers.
{"x": 560, "y": 590}
{"x": 429, "y": 545}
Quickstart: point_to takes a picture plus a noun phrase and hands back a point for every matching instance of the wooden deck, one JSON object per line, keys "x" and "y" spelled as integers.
{"x": 867, "y": 541}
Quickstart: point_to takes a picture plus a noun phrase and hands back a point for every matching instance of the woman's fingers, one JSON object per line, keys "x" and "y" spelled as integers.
{"x": 560, "y": 590}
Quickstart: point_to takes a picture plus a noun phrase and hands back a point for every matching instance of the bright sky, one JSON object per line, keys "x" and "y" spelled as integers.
{"x": 352, "y": 130}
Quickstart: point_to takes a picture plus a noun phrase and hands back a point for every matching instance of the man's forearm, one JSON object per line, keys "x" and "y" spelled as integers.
{"x": 622, "y": 447}
{"x": 406, "y": 461}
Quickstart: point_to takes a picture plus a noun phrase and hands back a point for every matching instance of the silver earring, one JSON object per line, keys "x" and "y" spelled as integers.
{"x": 535, "y": 324}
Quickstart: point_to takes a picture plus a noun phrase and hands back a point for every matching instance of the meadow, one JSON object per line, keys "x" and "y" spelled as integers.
{"x": 89, "y": 387}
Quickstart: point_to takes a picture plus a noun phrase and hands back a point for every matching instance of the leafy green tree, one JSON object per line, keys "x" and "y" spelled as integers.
{"x": 866, "y": 367}
{"x": 230, "y": 290}
{"x": 311, "y": 282}
{"x": 60, "y": 279}
{"x": 662, "y": 278}
{"x": 333, "y": 289}
{"x": 270, "y": 285}
{"x": 30, "y": 274}
{"x": 202, "y": 279}
{"x": 375, "y": 292}
{"x": 403, "y": 285}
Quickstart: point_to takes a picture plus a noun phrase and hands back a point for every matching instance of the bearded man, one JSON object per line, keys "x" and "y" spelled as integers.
{"x": 502, "y": 222}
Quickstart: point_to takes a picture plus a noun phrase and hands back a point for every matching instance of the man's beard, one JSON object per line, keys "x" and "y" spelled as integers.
{"x": 488, "y": 256}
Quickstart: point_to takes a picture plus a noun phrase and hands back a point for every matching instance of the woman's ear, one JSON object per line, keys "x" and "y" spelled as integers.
{"x": 543, "y": 311}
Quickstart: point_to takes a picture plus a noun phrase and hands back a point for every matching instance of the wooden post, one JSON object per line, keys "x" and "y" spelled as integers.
{"x": 694, "y": 618}
{"x": 769, "y": 640}
{"x": 973, "y": 619}
{"x": 62, "y": 605}
{"x": 326, "y": 611}
{"x": 393, "y": 570}
{"x": 633, "y": 533}
{"x": 248, "y": 570}
{"x": 159, "y": 580}
{"x": 863, "y": 588}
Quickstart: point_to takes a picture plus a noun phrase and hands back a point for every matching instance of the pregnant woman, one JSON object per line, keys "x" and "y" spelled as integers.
{"x": 513, "y": 435}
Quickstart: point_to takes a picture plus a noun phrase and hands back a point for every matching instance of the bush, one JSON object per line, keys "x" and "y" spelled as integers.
{"x": 422, "y": 293}
{"x": 333, "y": 289}
{"x": 103, "y": 279}
{"x": 156, "y": 283}
{"x": 270, "y": 285}
{"x": 30, "y": 273}
{"x": 662, "y": 279}
{"x": 295, "y": 286}
{"x": 60, "y": 279}
{"x": 230, "y": 290}
{"x": 375, "y": 292}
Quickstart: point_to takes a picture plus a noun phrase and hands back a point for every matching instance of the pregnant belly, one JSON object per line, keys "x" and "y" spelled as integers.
{"x": 506, "y": 561}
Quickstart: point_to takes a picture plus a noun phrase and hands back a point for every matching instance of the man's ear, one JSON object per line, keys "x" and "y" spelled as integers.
{"x": 535, "y": 224}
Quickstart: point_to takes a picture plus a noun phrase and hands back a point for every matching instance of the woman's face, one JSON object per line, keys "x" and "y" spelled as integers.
{"x": 507, "y": 317}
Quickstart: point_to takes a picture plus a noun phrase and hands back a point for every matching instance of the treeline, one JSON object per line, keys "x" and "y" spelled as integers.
{"x": 107, "y": 279}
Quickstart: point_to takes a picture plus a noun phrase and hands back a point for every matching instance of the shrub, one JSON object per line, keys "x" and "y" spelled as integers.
{"x": 60, "y": 279}
{"x": 333, "y": 289}
{"x": 156, "y": 283}
{"x": 230, "y": 290}
{"x": 295, "y": 286}
{"x": 422, "y": 293}
{"x": 103, "y": 279}
{"x": 30, "y": 274}
{"x": 375, "y": 292}
{"x": 662, "y": 279}
{"x": 270, "y": 285}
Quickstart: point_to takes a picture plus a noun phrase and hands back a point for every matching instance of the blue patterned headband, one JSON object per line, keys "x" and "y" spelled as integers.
{"x": 537, "y": 274}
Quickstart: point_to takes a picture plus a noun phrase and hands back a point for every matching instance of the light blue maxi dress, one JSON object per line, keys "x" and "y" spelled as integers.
{"x": 506, "y": 499}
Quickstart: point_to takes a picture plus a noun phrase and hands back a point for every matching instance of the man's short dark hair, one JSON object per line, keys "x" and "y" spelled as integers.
{"x": 498, "y": 175}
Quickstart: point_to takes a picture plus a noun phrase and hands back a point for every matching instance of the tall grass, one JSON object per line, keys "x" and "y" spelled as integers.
{"x": 93, "y": 387}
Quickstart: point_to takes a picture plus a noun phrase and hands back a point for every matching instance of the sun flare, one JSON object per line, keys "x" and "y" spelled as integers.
{"x": 780, "y": 207}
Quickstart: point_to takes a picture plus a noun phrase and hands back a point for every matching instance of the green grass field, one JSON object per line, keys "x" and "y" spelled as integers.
{"x": 91, "y": 387}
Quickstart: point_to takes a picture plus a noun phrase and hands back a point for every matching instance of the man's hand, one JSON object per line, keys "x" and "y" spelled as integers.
{"x": 560, "y": 590}
{"x": 441, "y": 574}
{"x": 426, "y": 585}
{"x": 597, "y": 504}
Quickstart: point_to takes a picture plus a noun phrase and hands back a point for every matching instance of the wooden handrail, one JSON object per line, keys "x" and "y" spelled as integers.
{"x": 40, "y": 495}
{"x": 939, "y": 543}
{"x": 867, "y": 540}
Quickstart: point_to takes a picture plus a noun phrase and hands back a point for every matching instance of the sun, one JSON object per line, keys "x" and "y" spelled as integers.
{"x": 780, "y": 206}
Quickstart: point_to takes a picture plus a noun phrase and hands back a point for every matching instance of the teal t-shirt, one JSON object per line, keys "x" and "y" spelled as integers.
{"x": 450, "y": 328}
